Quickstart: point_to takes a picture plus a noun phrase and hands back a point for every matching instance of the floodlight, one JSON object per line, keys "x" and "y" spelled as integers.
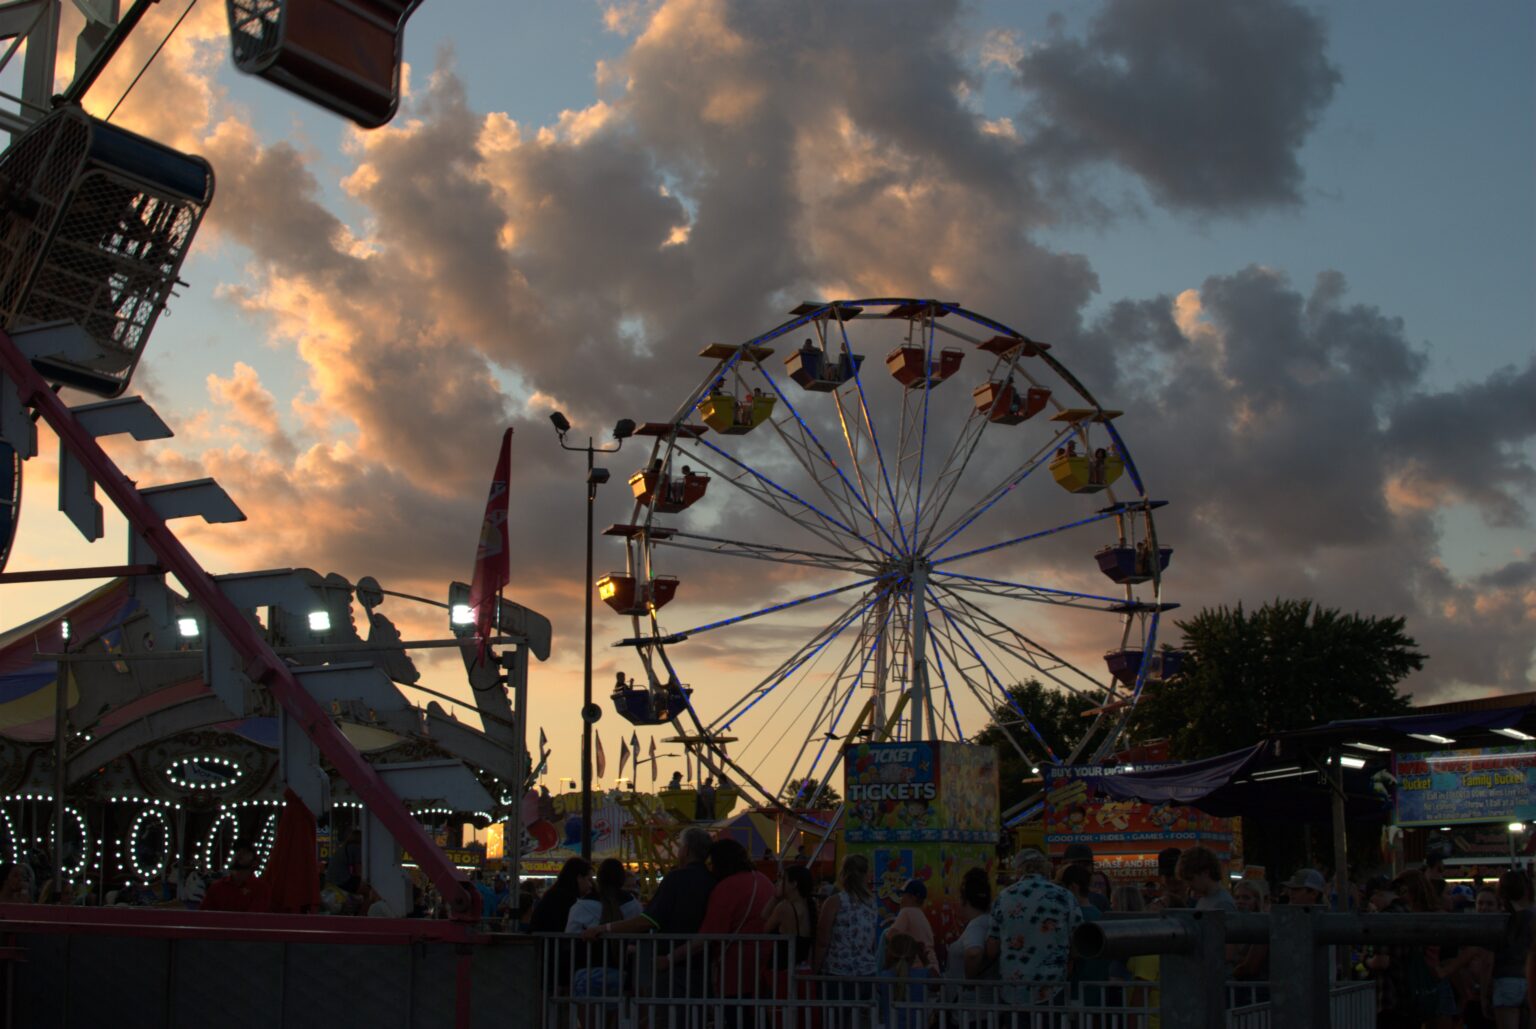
{"x": 319, "y": 621}
{"x": 187, "y": 627}
{"x": 64, "y": 628}
{"x": 624, "y": 429}
{"x": 597, "y": 476}
{"x": 561, "y": 423}
{"x": 461, "y": 614}
{"x": 1517, "y": 827}
{"x": 1352, "y": 762}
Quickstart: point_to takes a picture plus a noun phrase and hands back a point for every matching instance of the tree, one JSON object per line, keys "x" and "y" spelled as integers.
{"x": 1288, "y": 665}
{"x": 798, "y": 793}
{"x": 1056, "y": 714}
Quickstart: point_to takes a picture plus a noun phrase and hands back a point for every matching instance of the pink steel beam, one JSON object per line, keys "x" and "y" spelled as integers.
{"x": 170, "y": 923}
{"x": 262, "y": 665}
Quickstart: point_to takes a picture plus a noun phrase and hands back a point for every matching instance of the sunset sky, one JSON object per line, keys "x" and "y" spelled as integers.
{"x": 1296, "y": 244}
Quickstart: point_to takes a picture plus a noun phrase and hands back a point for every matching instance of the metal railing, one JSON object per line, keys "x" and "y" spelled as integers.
{"x": 757, "y": 982}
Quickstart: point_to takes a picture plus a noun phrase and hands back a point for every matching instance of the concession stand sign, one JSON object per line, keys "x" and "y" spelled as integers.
{"x": 1490, "y": 784}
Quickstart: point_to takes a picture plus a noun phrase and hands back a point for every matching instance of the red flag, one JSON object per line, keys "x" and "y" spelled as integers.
{"x": 492, "y": 567}
{"x": 624, "y": 756}
{"x": 598, "y": 758}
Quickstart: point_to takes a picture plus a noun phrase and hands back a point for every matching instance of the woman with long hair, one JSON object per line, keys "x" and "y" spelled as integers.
{"x": 794, "y": 914}
{"x": 847, "y": 927}
{"x": 554, "y": 908}
{"x": 603, "y": 972}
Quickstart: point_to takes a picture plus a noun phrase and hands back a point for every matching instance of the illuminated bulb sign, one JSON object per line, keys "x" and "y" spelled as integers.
{"x": 208, "y": 772}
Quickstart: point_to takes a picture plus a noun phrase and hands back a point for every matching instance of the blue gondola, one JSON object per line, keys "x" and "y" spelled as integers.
{"x": 1128, "y": 564}
{"x": 1124, "y": 665}
{"x": 95, "y": 222}
{"x": 644, "y": 706}
{"x": 811, "y": 369}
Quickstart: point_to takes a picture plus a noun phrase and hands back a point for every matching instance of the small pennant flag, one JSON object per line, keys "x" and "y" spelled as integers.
{"x": 623, "y": 756}
{"x": 634, "y": 748}
{"x": 687, "y": 765}
{"x": 598, "y": 758}
{"x": 653, "y": 760}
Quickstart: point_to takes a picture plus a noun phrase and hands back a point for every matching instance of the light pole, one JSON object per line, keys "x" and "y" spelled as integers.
{"x": 590, "y": 712}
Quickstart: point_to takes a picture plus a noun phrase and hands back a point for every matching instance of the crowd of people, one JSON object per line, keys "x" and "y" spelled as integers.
{"x": 1013, "y": 944}
{"x": 1012, "y": 947}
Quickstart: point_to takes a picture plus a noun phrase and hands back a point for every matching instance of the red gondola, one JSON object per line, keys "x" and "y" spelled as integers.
{"x": 1001, "y": 402}
{"x": 341, "y": 54}
{"x": 628, "y": 597}
{"x": 662, "y": 492}
{"x": 907, "y": 363}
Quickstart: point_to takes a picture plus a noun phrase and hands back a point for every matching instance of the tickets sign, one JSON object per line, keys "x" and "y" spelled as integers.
{"x": 1487, "y": 784}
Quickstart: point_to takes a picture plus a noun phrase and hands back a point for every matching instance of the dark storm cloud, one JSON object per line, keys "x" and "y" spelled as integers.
{"x": 1207, "y": 101}
{"x": 1292, "y": 431}
{"x": 1472, "y": 442}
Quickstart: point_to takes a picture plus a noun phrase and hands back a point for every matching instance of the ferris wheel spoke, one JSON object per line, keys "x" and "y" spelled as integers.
{"x": 758, "y": 486}
{"x": 1001, "y": 490}
{"x": 874, "y": 439}
{"x": 829, "y": 701}
{"x": 1041, "y": 660}
{"x": 806, "y": 653}
{"x": 774, "y": 608}
{"x": 822, "y": 474}
{"x": 997, "y": 685}
{"x": 990, "y": 701}
{"x": 949, "y": 696}
{"x": 760, "y": 551}
{"x": 1077, "y": 523}
{"x": 853, "y": 688}
{"x": 826, "y": 455}
{"x": 1026, "y": 591}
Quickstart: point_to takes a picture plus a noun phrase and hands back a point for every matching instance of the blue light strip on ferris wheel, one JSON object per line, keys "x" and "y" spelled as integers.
{"x": 807, "y": 656}
{"x": 1045, "y": 452}
{"x": 796, "y": 497}
{"x": 857, "y": 494}
{"x": 922, "y": 440}
{"x": 780, "y": 607}
{"x": 1117, "y": 601}
{"x": 1098, "y": 517}
{"x": 869, "y": 423}
{"x": 938, "y": 654}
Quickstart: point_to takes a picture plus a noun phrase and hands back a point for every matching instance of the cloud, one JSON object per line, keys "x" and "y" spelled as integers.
{"x": 1207, "y": 102}
{"x": 741, "y": 157}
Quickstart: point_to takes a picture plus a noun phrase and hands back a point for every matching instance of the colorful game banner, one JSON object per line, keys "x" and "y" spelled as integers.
{"x": 1486, "y": 784}
{"x": 1078, "y": 811}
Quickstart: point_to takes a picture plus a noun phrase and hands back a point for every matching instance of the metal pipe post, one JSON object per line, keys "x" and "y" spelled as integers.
{"x": 60, "y": 761}
{"x": 586, "y": 678}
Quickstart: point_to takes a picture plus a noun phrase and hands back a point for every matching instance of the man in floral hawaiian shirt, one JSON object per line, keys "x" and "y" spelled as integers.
{"x": 1032, "y": 923}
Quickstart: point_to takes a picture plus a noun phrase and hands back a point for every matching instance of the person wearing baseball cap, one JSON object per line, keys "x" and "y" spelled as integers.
{"x": 912, "y": 921}
{"x": 1306, "y": 886}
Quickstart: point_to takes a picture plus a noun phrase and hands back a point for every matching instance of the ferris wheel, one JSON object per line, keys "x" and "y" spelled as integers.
{"x": 881, "y": 554}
